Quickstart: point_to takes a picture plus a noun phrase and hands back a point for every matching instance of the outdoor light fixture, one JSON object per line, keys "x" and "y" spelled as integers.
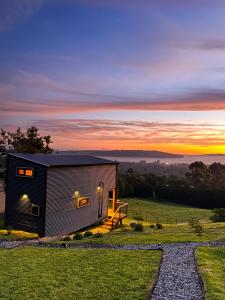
{"x": 100, "y": 186}
{"x": 24, "y": 197}
{"x": 160, "y": 246}
{"x": 76, "y": 194}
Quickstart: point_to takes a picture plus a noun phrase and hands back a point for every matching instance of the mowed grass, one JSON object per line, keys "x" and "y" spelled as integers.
{"x": 169, "y": 234}
{"x": 164, "y": 212}
{"x": 211, "y": 262}
{"x": 37, "y": 273}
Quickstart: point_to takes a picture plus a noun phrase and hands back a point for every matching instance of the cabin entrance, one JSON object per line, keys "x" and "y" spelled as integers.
{"x": 111, "y": 202}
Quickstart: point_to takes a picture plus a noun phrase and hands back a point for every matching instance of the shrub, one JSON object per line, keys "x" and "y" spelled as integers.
{"x": 98, "y": 235}
{"x": 138, "y": 217}
{"x": 159, "y": 226}
{"x": 67, "y": 238}
{"x": 138, "y": 227}
{"x": 78, "y": 236}
{"x": 152, "y": 226}
{"x": 194, "y": 223}
{"x": 88, "y": 233}
{"x": 132, "y": 224}
{"x": 219, "y": 215}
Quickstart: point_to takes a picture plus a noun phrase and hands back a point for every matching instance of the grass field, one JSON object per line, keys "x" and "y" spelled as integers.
{"x": 169, "y": 234}
{"x": 164, "y": 212}
{"x": 28, "y": 273}
{"x": 211, "y": 262}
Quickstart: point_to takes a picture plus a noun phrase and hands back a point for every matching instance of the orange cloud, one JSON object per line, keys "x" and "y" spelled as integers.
{"x": 105, "y": 134}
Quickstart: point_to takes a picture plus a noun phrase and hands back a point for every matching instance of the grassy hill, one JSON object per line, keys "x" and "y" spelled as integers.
{"x": 164, "y": 212}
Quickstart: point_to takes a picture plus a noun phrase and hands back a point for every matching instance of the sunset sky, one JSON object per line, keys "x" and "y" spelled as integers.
{"x": 115, "y": 74}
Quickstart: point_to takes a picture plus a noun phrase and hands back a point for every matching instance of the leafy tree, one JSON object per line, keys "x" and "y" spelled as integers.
{"x": 199, "y": 173}
{"x": 29, "y": 141}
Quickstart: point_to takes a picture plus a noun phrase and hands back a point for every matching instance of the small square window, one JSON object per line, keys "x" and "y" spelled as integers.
{"x": 29, "y": 173}
{"x": 20, "y": 171}
{"x": 35, "y": 210}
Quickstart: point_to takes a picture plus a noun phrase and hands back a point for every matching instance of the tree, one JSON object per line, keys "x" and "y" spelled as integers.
{"x": 199, "y": 173}
{"x": 29, "y": 141}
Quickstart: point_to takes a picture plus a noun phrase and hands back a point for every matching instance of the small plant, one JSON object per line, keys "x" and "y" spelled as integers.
{"x": 88, "y": 233}
{"x": 138, "y": 227}
{"x": 132, "y": 224}
{"x": 159, "y": 226}
{"x": 194, "y": 223}
{"x": 67, "y": 238}
{"x": 219, "y": 215}
{"x": 138, "y": 217}
{"x": 152, "y": 226}
{"x": 97, "y": 235}
{"x": 78, "y": 236}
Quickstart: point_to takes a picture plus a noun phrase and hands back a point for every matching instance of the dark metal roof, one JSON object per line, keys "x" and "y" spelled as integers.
{"x": 63, "y": 159}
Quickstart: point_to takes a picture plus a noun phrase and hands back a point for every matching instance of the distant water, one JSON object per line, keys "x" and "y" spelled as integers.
{"x": 187, "y": 159}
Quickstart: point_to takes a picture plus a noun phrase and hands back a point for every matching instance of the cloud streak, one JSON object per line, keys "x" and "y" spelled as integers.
{"x": 79, "y": 133}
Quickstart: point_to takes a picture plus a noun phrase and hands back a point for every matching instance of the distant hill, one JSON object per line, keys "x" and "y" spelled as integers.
{"x": 125, "y": 153}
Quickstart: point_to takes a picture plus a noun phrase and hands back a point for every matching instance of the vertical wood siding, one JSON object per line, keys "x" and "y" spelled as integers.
{"x": 33, "y": 187}
{"x": 62, "y": 216}
{"x": 2, "y": 202}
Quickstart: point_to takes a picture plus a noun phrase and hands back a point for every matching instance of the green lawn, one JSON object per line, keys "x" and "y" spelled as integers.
{"x": 164, "y": 212}
{"x": 28, "y": 273}
{"x": 169, "y": 234}
{"x": 211, "y": 262}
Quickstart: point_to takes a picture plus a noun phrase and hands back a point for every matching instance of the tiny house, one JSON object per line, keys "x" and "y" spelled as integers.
{"x": 54, "y": 194}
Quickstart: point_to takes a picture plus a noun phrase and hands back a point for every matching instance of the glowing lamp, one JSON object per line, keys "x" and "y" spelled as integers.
{"x": 24, "y": 197}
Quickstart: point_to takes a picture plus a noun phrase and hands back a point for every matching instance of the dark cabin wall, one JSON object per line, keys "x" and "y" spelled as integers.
{"x": 34, "y": 187}
{"x": 62, "y": 216}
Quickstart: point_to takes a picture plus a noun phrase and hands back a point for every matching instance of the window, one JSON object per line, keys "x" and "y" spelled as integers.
{"x": 82, "y": 201}
{"x": 25, "y": 172}
{"x": 35, "y": 211}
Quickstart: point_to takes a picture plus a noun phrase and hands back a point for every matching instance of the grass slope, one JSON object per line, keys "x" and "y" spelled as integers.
{"x": 28, "y": 273}
{"x": 164, "y": 212}
{"x": 169, "y": 234}
{"x": 211, "y": 262}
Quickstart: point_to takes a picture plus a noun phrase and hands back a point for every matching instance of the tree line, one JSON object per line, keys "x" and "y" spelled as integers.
{"x": 202, "y": 186}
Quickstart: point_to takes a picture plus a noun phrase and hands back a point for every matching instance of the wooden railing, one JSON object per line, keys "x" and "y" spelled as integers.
{"x": 120, "y": 213}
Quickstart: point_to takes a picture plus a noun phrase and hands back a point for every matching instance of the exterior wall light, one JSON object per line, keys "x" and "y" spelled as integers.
{"x": 76, "y": 194}
{"x": 24, "y": 197}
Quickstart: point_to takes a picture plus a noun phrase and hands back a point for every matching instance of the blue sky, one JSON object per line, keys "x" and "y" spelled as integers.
{"x": 134, "y": 74}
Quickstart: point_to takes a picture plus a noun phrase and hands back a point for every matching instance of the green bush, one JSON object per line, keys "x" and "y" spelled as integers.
{"x": 159, "y": 226}
{"x": 97, "y": 235}
{"x": 194, "y": 223}
{"x": 219, "y": 215}
{"x": 66, "y": 238}
{"x": 138, "y": 227}
{"x": 132, "y": 224}
{"x": 88, "y": 233}
{"x": 152, "y": 226}
{"x": 78, "y": 236}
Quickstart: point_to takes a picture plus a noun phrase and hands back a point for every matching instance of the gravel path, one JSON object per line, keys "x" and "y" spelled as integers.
{"x": 178, "y": 276}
